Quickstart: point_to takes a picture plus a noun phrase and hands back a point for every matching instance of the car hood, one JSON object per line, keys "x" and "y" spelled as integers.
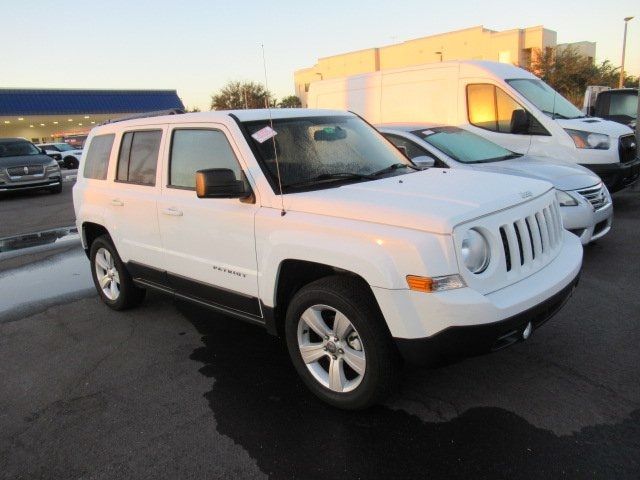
{"x": 28, "y": 160}
{"x": 433, "y": 200}
{"x": 595, "y": 125}
{"x": 562, "y": 175}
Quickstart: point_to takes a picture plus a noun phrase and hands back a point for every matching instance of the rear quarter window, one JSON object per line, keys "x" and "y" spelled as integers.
{"x": 96, "y": 162}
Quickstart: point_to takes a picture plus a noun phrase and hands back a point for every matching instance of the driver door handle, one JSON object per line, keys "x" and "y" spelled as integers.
{"x": 116, "y": 202}
{"x": 173, "y": 212}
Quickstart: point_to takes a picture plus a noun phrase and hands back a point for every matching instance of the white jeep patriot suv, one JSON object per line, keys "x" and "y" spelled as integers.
{"x": 313, "y": 225}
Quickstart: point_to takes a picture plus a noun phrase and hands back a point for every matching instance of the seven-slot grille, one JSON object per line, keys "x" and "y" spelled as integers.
{"x": 25, "y": 170}
{"x": 627, "y": 148}
{"x": 595, "y": 196}
{"x": 532, "y": 237}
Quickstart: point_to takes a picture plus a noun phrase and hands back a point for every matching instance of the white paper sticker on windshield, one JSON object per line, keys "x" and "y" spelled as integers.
{"x": 264, "y": 134}
{"x": 426, "y": 133}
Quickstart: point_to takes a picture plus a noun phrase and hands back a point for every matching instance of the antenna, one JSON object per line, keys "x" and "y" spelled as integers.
{"x": 273, "y": 138}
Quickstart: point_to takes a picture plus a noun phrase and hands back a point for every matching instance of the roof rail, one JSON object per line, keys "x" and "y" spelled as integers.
{"x": 157, "y": 113}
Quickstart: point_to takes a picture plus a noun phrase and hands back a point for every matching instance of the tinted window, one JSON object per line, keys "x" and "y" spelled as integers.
{"x": 18, "y": 148}
{"x": 96, "y": 161}
{"x": 193, "y": 150}
{"x": 138, "y": 158}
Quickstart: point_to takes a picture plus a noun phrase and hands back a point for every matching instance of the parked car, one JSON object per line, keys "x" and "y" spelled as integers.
{"x": 314, "y": 226}
{"x": 501, "y": 102}
{"x": 68, "y": 154}
{"x": 585, "y": 204}
{"x": 23, "y": 166}
{"x": 616, "y": 104}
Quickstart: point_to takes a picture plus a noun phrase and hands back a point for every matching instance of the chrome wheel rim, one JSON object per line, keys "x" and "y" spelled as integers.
{"x": 107, "y": 274}
{"x": 331, "y": 348}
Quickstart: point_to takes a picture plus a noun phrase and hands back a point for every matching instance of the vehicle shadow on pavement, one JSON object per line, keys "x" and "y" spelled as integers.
{"x": 259, "y": 402}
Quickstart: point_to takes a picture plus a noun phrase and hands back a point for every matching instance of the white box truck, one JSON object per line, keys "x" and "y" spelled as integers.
{"x": 501, "y": 102}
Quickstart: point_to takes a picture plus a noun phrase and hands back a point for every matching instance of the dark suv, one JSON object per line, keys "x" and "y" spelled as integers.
{"x": 23, "y": 166}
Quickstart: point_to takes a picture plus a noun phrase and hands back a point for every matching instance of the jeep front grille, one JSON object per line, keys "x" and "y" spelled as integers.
{"x": 595, "y": 196}
{"x": 531, "y": 237}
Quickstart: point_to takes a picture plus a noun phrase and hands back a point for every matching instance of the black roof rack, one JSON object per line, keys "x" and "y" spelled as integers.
{"x": 157, "y": 113}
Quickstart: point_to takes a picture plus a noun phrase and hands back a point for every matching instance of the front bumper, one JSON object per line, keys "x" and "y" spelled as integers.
{"x": 51, "y": 181}
{"x": 588, "y": 225}
{"x": 455, "y": 342}
{"x": 416, "y": 316}
{"x": 617, "y": 176}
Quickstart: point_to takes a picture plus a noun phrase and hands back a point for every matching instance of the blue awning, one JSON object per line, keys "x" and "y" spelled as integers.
{"x": 68, "y": 102}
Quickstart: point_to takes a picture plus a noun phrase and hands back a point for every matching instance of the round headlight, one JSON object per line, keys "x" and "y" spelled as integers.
{"x": 475, "y": 252}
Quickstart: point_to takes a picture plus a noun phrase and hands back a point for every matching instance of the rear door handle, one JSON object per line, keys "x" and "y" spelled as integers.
{"x": 172, "y": 212}
{"x": 116, "y": 202}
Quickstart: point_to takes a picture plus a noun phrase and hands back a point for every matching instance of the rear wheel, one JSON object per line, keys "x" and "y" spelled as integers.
{"x": 111, "y": 278}
{"x": 339, "y": 344}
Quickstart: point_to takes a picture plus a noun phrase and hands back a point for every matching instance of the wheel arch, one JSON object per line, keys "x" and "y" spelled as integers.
{"x": 294, "y": 274}
{"x": 91, "y": 231}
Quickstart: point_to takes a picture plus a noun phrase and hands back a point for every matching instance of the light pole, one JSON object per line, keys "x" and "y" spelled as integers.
{"x": 624, "y": 46}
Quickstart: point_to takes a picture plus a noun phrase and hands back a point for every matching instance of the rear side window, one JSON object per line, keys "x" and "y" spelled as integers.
{"x": 138, "y": 159}
{"x": 96, "y": 162}
{"x": 193, "y": 150}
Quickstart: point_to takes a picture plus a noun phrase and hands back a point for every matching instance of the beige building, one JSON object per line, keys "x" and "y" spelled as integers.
{"x": 476, "y": 43}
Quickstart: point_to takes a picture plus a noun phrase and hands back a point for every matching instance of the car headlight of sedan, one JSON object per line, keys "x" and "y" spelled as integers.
{"x": 589, "y": 140}
{"x": 565, "y": 200}
{"x": 475, "y": 251}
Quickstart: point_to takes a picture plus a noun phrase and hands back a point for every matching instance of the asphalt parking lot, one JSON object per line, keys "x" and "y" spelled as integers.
{"x": 32, "y": 211}
{"x": 169, "y": 390}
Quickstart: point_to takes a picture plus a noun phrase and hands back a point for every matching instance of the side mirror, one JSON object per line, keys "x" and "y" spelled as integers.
{"x": 520, "y": 121}
{"x": 43, "y": 151}
{"x": 403, "y": 150}
{"x": 220, "y": 183}
{"x": 424, "y": 161}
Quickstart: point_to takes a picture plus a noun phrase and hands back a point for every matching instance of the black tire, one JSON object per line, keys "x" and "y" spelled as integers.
{"x": 71, "y": 163}
{"x": 56, "y": 189}
{"x": 354, "y": 299}
{"x": 129, "y": 294}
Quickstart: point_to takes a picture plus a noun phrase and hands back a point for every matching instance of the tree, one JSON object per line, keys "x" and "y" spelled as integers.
{"x": 569, "y": 72}
{"x": 240, "y": 95}
{"x": 291, "y": 101}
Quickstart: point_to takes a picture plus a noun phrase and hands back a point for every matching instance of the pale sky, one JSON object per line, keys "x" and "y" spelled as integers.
{"x": 197, "y": 46}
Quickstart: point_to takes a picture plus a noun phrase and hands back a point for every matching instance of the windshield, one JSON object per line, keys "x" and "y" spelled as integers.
{"x": 65, "y": 147}
{"x": 18, "y": 148}
{"x": 545, "y": 98}
{"x": 319, "y": 152}
{"x": 624, "y": 104}
{"x": 463, "y": 146}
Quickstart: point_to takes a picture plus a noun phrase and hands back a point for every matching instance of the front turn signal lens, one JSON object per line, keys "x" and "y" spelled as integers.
{"x": 435, "y": 284}
{"x": 419, "y": 284}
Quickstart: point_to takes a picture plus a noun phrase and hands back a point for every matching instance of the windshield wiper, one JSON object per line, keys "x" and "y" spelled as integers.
{"x": 324, "y": 177}
{"x": 391, "y": 168}
{"x": 498, "y": 159}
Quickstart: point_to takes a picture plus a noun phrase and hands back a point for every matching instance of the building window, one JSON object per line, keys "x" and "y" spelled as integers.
{"x": 138, "y": 159}
{"x": 306, "y": 87}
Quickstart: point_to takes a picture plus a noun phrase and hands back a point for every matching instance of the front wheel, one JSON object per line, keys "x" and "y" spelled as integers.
{"x": 111, "y": 278}
{"x": 339, "y": 344}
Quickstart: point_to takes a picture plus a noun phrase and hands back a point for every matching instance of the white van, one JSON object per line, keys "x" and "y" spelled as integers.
{"x": 503, "y": 103}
